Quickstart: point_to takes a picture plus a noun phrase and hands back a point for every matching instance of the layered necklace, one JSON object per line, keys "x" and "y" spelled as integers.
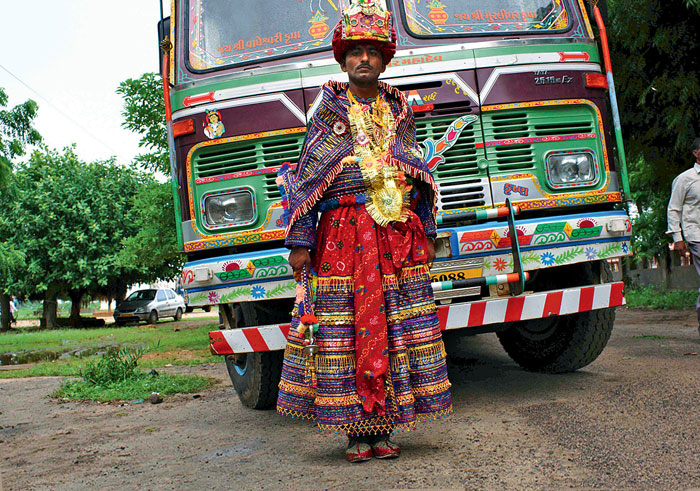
{"x": 372, "y": 127}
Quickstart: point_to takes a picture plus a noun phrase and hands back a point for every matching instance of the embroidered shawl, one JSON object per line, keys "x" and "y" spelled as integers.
{"x": 324, "y": 148}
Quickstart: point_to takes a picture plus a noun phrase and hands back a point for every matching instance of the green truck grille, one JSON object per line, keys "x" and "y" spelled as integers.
{"x": 534, "y": 123}
{"x": 509, "y": 148}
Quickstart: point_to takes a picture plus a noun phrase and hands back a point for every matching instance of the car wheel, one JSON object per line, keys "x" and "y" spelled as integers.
{"x": 178, "y": 314}
{"x": 206, "y": 308}
{"x": 153, "y": 317}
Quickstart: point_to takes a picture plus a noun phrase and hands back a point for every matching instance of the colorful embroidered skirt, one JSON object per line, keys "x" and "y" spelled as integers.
{"x": 355, "y": 257}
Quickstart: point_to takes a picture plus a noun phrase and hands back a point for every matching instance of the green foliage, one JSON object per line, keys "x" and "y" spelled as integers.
{"x": 144, "y": 113}
{"x": 160, "y": 338}
{"x": 15, "y": 132}
{"x": 115, "y": 377}
{"x": 135, "y": 388}
{"x": 649, "y": 297}
{"x": 70, "y": 217}
{"x": 654, "y": 46}
{"x": 113, "y": 366}
{"x": 154, "y": 248}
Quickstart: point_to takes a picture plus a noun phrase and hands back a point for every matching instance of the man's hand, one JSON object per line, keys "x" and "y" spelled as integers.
{"x": 681, "y": 247}
{"x": 298, "y": 258}
{"x": 430, "y": 250}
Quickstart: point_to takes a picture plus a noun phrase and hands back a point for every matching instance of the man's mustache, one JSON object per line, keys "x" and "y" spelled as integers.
{"x": 364, "y": 65}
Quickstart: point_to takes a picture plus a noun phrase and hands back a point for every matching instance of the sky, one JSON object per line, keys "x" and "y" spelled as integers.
{"x": 70, "y": 59}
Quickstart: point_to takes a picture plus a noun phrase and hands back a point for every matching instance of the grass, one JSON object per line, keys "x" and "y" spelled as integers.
{"x": 161, "y": 336}
{"x": 115, "y": 376}
{"x": 139, "y": 388}
{"x": 162, "y": 344}
{"x": 649, "y": 297}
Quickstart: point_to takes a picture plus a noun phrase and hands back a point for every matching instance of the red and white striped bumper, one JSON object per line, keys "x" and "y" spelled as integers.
{"x": 457, "y": 316}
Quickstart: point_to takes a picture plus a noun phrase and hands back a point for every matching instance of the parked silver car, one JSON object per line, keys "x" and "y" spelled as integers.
{"x": 149, "y": 305}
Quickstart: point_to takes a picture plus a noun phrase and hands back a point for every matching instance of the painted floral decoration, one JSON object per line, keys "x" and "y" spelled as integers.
{"x": 258, "y": 291}
{"x": 547, "y": 258}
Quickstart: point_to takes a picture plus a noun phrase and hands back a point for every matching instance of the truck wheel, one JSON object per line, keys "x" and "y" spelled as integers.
{"x": 255, "y": 376}
{"x": 559, "y": 344}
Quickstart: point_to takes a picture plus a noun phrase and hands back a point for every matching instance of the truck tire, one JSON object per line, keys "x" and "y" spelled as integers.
{"x": 255, "y": 376}
{"x": 559, "y": 344}
{"x": 562, "y": 344}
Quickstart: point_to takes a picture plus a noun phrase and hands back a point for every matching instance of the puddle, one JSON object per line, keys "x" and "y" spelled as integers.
{"x": 22, "y": 357}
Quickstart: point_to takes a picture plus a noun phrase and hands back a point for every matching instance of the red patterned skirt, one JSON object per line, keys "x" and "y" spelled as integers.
{"x": 381, "y": 361}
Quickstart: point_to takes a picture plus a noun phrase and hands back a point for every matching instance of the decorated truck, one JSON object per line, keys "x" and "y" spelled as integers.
{"x": 515, "y": 109}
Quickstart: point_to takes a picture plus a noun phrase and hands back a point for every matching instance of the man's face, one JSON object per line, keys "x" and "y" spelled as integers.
{"x": 363, "y": 64}
{"x": 696, "y": 153}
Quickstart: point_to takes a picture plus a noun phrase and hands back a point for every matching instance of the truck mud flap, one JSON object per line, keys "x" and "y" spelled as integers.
{"x": 455, "y": 316}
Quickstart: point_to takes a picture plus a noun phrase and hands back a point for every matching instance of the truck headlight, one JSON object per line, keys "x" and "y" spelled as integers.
{"x": 225, "y": 210}
{"x": 569, "y": 169}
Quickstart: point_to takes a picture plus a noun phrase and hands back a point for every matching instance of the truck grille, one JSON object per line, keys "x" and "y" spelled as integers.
{"x": 458, "y": 177}
{"x": 241, "y": 156}
{"x": 516, "y": 155}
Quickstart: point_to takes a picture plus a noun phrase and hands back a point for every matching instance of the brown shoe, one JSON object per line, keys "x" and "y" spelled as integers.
{"x": 358, "y": 451}
{"x": 384, "y": 449}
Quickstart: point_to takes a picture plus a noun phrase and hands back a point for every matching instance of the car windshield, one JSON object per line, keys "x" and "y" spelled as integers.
{"x": 459, "y": 17}
{"x": 142, "y": 295}
{"x": 244, "y": 31}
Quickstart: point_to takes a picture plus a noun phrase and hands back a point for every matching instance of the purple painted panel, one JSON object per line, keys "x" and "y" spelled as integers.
{"x": 498, "y": 86}
{"x": 236, "y": 121}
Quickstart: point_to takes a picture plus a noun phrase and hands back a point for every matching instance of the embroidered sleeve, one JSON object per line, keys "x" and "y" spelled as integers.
{"x": 424, "y": 210}
{"x": 303, "y": 231}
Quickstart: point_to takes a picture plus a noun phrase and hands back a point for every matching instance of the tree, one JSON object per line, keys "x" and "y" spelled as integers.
{"x": 71, "y": 219}
{"x": 144, "y": 113}
{"x": 155, "y": 248}
{"x": 16, "y": 132}
{"x": 654, "y": 46}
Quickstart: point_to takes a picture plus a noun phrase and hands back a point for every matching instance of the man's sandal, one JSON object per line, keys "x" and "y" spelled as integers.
{"x": 358, "y": 451}
{"x": 382, "y": 448}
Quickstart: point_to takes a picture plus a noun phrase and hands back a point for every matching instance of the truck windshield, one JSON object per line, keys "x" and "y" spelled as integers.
{"x": 228, "y": 33}
{"x": 437, "y": 18}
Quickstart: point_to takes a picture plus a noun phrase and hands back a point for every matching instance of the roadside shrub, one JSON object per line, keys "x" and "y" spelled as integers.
{"x": 114, "y": 366}
{"x": 649, "y": 297}
{"x": 115, "y": 376}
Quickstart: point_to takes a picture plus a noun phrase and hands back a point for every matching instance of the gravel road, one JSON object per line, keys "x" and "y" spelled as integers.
{"x": 628, "y": 421}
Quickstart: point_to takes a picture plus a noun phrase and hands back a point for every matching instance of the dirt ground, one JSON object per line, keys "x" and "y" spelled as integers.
{"x": 627, "y": 421}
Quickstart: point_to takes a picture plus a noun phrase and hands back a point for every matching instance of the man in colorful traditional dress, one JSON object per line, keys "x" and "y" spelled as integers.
{"x": 381, "y": 360}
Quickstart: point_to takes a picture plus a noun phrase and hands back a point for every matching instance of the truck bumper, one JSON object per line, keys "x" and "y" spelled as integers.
{"x": 454, "y": 316}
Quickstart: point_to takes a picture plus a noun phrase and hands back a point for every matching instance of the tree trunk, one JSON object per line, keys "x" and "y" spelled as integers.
{"x": 75, "y": 297}
{"x": 5, "y": 309}
{"x": 48, "y": 318}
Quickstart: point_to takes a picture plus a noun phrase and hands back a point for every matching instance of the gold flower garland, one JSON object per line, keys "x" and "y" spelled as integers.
{"x": 372, "y": 127}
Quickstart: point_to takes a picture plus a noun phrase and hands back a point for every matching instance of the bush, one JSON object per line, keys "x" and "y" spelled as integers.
{"x": 649, "y": 297}
{"x": 115, "y": 377}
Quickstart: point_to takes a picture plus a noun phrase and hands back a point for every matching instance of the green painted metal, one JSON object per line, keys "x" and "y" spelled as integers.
{"x": 539, "y": 122}
{"x": 243, "y": 156}
{"x": 592, "y": 50}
